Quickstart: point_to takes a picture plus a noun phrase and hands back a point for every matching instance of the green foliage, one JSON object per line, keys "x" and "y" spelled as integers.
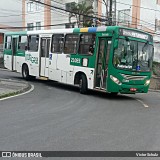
{"x": 156, "y": 68}
{"x": 82, "y": 13}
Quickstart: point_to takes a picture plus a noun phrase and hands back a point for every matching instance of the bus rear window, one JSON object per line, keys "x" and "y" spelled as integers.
{"x": 8, "y": 42}
{"x": 33, "y": 43}
{"x": 22, "y": 44}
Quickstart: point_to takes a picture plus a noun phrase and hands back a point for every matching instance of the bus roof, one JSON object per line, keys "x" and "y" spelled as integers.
{"x": 16, "y": 33}
{"x": 75, "y": 30}
{"x": 84, "y": 30}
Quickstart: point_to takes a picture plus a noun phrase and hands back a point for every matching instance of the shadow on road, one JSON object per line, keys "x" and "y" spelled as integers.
{"x": 89, "y": 93}
{"x": 65, "y": 87}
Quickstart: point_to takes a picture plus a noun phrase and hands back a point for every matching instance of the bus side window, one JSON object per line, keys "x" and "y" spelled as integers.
{"x": 71, "y": 43}
{"x": 57, "y": 43}
{"x": 33, "y": 43}
{"x": 8, "y": 41}
{"x": 22, "y": 44}
{"x": 87, "y": 44}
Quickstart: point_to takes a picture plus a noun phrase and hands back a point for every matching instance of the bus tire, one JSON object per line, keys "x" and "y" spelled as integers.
{"x": 25, "y": 72}
{"x": 83, "y": 84}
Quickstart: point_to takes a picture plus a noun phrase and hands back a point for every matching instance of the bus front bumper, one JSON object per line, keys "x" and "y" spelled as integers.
{"x": 132, "y": 89}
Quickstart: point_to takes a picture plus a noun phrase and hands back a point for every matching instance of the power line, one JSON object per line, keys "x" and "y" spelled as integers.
{"x": 64, "y": 9}
{"x": 33, "y": 26}
{"x": 135, "y": 17}
{"x": 70, "y": 12}
{"x": 139, "y": 6}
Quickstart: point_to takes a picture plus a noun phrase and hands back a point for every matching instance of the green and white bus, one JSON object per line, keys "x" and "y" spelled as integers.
{"x": 112, "y": 59}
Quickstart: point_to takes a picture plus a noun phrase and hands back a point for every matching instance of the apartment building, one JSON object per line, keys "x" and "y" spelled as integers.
{"x": 11, "y": 16}
{"x": 38, "y": 16}
{"x": 141, "y": 14}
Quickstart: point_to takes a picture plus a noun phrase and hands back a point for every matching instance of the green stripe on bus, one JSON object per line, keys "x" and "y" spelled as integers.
{"x": 76, "y": 30}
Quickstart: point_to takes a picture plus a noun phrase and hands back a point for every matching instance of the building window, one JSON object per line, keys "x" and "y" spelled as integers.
{"x": 68, "y": 25}
{"x": 71, "y": 43}
{"x": 8, "y": 42}
{"x": 38, "y": 5}
{"x": 124, "y": 17}
{"x": 30, "y": 6}
{"x": 87, "y": 44}
{"x": 33, "y": 43}
{"x": 69, "y": 6}
{"x": 38, "y": 25}
{"x": 30, "y": 26}
{"x": 22, "y": 44}
{"x": 57, "y": 43}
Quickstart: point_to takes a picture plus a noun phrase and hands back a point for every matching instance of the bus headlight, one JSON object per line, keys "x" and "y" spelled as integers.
{"x": 116, "y": 80}
{"x": 147, "y": 82}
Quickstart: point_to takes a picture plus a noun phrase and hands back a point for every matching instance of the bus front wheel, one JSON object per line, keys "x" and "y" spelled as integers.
{"x": 83, "y": 84}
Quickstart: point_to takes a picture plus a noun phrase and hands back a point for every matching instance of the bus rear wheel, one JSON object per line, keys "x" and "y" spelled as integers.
{"x": 25, "y": 73}
{"x": 83, "y": 84}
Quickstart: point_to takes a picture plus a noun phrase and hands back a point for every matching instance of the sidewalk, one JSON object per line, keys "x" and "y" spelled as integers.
{"x": 12, "y": 87}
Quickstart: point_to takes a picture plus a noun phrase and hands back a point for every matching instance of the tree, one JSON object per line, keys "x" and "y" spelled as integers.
{"x": 82, "y": 13}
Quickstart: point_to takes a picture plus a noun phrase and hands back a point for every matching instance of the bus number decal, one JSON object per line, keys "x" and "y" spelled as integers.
{"x": 75, "y": 60}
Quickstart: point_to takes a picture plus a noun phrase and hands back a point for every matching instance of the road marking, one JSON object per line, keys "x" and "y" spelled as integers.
{"x": 32, "y": 88}
{"x": 145, "y": 105}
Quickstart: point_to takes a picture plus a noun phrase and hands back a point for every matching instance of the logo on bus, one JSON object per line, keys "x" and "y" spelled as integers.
{"x": 28, "y": 57}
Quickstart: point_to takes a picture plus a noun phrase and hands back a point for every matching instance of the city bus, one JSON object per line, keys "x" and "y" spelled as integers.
{"x": 111, "y": 59}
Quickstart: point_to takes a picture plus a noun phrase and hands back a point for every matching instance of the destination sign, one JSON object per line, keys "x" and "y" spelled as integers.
{"x": 130, "y": 33}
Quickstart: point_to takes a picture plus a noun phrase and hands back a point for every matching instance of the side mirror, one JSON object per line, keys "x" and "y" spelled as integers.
{"x": 116, "y": 44}
{"x": 150, "y": 63}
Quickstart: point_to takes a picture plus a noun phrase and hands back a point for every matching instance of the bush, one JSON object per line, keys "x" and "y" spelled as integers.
{"x": 156, "y": 68}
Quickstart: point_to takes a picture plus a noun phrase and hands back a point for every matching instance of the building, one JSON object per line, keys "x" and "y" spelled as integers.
{"x": 11, "y": 16}
{"x": 38, "y": 16}
{"x": 141, "y": 14}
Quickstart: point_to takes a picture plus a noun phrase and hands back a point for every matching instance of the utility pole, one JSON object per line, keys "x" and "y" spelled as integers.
{"x": 110, "y": 12}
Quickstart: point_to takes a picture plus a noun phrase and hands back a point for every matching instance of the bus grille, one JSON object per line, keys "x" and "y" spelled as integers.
{"x": 129, "y": 77}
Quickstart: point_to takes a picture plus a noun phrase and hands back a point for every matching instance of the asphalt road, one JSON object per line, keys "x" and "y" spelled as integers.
{"x": 56, "y": 117}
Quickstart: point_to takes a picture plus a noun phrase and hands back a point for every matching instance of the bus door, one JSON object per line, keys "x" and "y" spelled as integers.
{"x": 44, "y": 57}
{"x": 102, "y": 63}
{"x": 14, "y": 51}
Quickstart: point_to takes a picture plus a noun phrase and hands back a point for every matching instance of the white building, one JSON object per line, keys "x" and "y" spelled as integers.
{"x": 11, "y": 16}
{"x": 40, "y": 15}
{"x": 141, "y": 14}
{"x": 11, "y": 13}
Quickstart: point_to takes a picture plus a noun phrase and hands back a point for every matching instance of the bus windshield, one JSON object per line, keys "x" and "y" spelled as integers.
{"x": 133, "y": 55}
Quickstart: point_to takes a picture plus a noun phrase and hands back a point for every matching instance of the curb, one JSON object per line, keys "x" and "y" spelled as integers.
{"x": 153, "y": 90}
{"x": 24, "y": 89}
{"x": 4, "y": 69}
